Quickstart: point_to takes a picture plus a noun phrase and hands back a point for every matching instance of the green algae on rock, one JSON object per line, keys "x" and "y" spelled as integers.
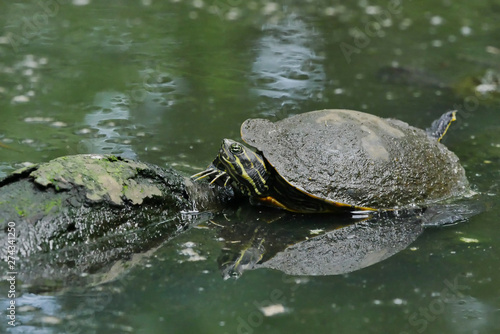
{"x": 111, "y": 177}
{"x": 82, "y": 213}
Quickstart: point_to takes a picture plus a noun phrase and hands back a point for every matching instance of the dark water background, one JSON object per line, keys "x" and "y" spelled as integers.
{"x": 165, "y": 81}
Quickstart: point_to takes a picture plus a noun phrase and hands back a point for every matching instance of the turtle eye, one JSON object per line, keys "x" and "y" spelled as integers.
{"x": 235, "y": 148}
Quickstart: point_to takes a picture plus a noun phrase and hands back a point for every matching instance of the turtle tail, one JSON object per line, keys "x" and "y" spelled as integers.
{"x": 439, "y": 127}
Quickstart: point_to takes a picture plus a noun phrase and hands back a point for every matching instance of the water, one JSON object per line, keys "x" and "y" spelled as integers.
{"x": 164, "y": 82}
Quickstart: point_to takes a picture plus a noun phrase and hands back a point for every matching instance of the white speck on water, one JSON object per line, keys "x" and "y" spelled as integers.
{"x": 466, "y": 31}
{"x": 191, "y": 253}
{"x": 29, "y": 61}
{"x": 338, "y": 91}
{"x": 198, "y": 3}
{"x": 486, "y": 88}
{"x": 83, "y": 131}
{"x": 271, "y": 310}
{"x": 330, "y": 11}
{"x": 302, "y": 280}
{"x": 27, "y": 308}
{"x": 58, "y": 124}
{"x": 20, "y": 99}
{"x": 37, "y": 119}
{"x": 387, "y": 23}
{"x": 372, "y": 10}
{"x": 405, "y": 24}
{"x": 233, "y": 14}
{"x": 469, "y": 240}
{"x": 270, "y": 8}
{"x": 28, "y": 72}
{"x": 436, "y": 20}
{"x": 49, "y": 320}
{"x": 377, "y": 302}
{"x": 81, "y": 2}
{"x": 399, "y": 301}
{"x": 437, "y": 43}
{"x": 493, "y": 50}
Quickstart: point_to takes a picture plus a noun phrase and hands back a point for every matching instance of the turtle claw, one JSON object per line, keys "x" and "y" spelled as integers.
{"x": 204, "y": 174}
{"x": 213, "y": 174}
{"x": 218, "y": 175}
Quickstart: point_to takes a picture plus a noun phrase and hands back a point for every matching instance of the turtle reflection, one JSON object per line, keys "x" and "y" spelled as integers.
{"x": 323, "y": 244}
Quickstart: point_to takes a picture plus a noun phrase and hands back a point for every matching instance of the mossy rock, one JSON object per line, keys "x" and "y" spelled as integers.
{"x": 80, "y": 214}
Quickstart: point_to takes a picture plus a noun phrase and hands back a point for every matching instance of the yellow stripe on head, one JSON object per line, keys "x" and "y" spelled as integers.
{"x": 245, "y": 167}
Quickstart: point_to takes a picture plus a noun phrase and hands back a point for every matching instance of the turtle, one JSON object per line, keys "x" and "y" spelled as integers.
{"x": 338, "y": 161}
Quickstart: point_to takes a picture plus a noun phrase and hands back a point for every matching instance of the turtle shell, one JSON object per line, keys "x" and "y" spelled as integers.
{"x": 355, "y": 158}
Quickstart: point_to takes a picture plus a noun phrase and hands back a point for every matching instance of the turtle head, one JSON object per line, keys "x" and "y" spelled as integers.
{"x": 246, "y": 168}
